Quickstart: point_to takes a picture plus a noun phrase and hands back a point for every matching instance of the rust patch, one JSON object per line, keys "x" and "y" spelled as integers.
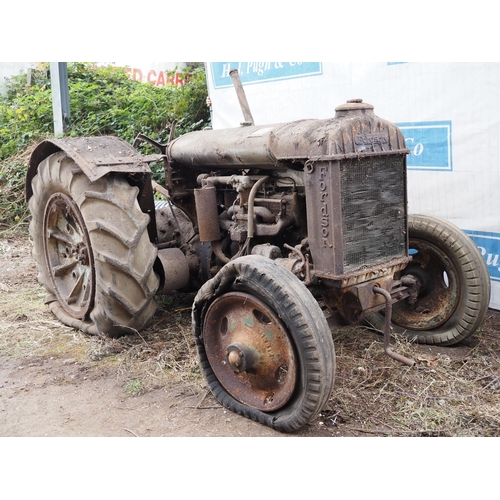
{"x": 249, "y": 351}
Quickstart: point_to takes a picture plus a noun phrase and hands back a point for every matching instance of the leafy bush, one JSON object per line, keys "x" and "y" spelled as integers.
{"x": 103, "y": 101}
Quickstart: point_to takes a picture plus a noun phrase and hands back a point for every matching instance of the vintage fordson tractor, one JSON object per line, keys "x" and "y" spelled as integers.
{"x": 285, "y": 231}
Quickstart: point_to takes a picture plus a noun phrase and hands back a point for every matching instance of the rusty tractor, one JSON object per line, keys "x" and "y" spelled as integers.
{"x": 284, "y": 231}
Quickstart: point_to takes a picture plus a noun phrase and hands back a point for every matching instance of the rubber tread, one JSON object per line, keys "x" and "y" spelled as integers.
{"x": 125, "y": 283}
{"x": 307, "y": 327}
{"x": 474, "y": 279}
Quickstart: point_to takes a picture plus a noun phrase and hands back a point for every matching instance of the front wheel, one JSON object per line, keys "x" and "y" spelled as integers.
{"x": 454, "y": 285}
{"x": 265, "y": 347}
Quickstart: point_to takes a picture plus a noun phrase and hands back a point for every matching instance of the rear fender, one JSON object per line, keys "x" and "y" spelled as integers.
{"x": 98, "y": 156}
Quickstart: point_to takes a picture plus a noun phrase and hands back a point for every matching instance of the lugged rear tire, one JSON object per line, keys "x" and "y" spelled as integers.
{"x": 92, "y": 236}
{"x": 449, "y": 266}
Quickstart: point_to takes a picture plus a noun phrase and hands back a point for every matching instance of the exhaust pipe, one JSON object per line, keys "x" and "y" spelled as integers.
{"x": 242, "y": 98}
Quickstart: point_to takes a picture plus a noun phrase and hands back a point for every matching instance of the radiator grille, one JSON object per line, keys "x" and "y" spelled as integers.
{"x": 373, "y": 211}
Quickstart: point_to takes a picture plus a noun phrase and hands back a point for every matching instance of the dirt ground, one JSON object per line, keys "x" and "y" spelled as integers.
{"x": 56, "y": 381}
{"x": 70, "y": 387}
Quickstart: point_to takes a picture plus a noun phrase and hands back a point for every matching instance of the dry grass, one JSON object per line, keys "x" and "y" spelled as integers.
{"x": 14, "y": 214}
{"x": 449, "y": 392}
{"x": 161, "y": 355}
{"x": 164, "y": 353}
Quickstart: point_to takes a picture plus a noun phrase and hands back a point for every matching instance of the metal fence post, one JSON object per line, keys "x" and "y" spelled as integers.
{"x": 60, "y": 96}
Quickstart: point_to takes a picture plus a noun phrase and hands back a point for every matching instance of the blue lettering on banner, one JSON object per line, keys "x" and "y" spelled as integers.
{"x": 429, "y": 144}
{"x": 258, "y": 72}
{"x": 489, "y": 246}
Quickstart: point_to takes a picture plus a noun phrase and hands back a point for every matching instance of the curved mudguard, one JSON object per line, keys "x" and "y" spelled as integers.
{"x": 98, "y": 156}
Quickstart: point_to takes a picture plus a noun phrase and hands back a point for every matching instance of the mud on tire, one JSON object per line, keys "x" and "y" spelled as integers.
{"x": 119, "y": 264}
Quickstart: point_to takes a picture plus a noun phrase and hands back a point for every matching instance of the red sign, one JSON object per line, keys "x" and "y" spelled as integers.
{"x": 156, "y": 78}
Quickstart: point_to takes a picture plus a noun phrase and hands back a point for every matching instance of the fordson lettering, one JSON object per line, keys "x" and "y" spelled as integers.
{"x": 325, "y": 216}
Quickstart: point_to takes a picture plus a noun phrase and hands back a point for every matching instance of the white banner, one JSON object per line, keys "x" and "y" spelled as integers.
{"x": 448, "y": 112}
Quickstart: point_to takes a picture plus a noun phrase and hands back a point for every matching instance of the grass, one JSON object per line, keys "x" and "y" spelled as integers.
{"x": 134, "y": 387}
{"x": 449, "y": 392}
{"x": 14, "y": 213}
{"x": 161, "y": 355}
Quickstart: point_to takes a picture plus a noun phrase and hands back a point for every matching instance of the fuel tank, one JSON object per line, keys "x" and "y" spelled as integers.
{"x": 354, "y": 130}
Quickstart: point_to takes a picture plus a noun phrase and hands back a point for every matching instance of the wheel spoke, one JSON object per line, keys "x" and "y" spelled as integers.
{"x": 68, "y": 255}
{"x": 64, "y": 268}
{"x": 75, "y": 292}
{"x": 58, "y": 235}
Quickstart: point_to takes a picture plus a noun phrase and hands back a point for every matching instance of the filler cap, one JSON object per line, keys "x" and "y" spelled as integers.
{"x": 353, "y": 105}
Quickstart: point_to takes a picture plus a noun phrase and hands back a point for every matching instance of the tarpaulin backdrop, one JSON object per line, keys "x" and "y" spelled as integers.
{"x": 449, "y": 114}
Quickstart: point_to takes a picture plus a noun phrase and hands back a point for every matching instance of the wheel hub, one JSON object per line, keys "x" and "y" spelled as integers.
{"x": 242, "y": 358}
{"x": 249, "y": 351}
{"x": 439, "y": 294}
{"x": 68, "y": 255}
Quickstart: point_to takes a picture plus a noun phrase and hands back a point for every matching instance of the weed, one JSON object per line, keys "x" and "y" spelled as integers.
{"x": 134, "y": 387}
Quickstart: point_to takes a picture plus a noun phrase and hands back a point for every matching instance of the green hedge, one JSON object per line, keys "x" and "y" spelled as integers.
{"x": 103, "y": 101}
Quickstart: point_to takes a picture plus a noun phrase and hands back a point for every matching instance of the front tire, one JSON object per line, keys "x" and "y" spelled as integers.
{"x": 264, "y": 345}
{"x": 455, "y": 285}
{"x": 92, "y": 249}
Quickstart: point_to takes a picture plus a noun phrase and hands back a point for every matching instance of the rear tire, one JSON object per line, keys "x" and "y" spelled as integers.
{"x": 92, "y": 248}
{"x": 455, "y": 292}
